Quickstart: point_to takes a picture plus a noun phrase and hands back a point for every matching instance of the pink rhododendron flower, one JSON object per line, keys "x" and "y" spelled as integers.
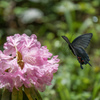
{"x": 25, "y": 62}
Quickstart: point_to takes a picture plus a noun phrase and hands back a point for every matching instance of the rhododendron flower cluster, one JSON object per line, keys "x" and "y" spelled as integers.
{"x": 25, "y": 62}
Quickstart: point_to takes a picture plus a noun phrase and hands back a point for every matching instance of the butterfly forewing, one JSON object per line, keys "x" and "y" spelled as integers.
{"x": 82, "y": 41}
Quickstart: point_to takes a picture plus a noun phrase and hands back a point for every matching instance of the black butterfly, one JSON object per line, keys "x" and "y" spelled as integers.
{"x": 77, "y": 47}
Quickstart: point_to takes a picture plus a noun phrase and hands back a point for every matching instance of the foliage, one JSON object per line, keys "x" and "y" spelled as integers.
{"x": 49, "y": 20}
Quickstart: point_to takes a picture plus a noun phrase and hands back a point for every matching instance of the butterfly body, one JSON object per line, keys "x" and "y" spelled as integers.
{"x": 77, "y": 47}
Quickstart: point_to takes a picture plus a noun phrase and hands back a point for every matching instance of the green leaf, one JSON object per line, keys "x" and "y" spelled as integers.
{"x": 6, "y": 95}
{"x": 64, "y": 95}
{"x": 85, "y": 25}
{"x": 69, "y": 20}
{"x": 25, "y": 96}
{"x": 95, "y": 90}
{"x": 17, "y": 95}
{"x": 32, "y": 93}
{"x": 0, "y": 93}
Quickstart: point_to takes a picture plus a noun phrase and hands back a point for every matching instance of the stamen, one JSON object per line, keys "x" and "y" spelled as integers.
{"x": 19, "y": 60}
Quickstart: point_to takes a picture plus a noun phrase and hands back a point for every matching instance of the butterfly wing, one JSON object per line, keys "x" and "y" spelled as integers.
{"x": 82, "y": 41}
{"x": 82, "y": 56}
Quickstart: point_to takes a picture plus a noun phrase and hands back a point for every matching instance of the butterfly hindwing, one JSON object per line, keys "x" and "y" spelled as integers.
{"x": 82, "y": 41}
{"x": 82, "y": 56}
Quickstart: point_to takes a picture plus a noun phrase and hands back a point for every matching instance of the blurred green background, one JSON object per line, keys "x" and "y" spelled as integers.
{"x": 49, "y": 20}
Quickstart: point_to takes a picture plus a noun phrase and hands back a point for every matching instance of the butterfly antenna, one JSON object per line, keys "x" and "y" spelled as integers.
{"x": 89, "y": 64}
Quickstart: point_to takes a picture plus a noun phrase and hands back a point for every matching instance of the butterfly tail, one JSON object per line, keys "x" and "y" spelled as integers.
{"x": 81, "y": 66}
